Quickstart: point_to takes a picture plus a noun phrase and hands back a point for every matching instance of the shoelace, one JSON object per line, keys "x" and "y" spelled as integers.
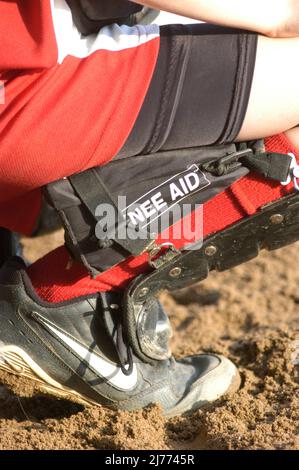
{"x": 124, "y": 352}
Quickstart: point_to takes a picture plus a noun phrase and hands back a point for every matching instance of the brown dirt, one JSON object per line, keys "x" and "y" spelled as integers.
{"x": 249, "y": 314}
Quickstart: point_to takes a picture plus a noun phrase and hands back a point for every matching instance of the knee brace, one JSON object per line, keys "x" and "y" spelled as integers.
{"x": 115, "y": 211}
{"x": 118, "y": 210}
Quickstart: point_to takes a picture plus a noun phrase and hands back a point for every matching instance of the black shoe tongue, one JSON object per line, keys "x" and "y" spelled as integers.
{"x": 12, "y": 270}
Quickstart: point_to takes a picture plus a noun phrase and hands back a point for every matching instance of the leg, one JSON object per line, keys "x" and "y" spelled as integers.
{"x": 198, "y": 96}
{"x": 84, "y": 347}
{"x": 274, "y": 101}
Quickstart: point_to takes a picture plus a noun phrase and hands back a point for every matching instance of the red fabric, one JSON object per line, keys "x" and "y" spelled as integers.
{"x": 55, "y": 280}
{"x": 62, "y": 124}
{"x": 28, "y": 44}
{"x": 27, "y": 35}
{"x": 62, "y": 118}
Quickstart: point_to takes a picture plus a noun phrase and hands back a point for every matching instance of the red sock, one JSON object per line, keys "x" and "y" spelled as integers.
{"x": 56, "y": 279}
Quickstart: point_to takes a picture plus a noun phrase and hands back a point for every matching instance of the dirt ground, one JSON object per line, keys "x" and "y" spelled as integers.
{"x": 249, "y": 314}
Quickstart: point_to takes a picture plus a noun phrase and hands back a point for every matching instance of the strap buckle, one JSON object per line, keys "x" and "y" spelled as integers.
{"x": 227, "y": 164}
{"x": 293, "y": 173}
{"x": 155, "y": 261}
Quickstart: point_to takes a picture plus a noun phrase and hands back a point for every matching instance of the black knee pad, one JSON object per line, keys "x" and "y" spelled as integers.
{"x": 144, "y": 194}
{"x": 116, "y": 211}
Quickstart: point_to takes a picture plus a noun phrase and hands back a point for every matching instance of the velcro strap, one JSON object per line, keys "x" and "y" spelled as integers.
{"x": 96, "y": 194}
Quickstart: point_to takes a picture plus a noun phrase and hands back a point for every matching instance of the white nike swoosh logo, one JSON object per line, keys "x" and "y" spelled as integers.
{"x": 111, "y": 372}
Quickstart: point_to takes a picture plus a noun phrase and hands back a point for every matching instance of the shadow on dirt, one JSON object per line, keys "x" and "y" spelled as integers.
{"x": 35, "y": 408}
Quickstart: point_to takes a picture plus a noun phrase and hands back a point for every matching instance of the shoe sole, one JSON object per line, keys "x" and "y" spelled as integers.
{"x": 16, "y": 361}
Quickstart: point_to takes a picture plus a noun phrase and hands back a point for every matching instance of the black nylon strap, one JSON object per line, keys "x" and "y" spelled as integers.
{"x": 92, "y": 191}
{"x": 275, "y": 166}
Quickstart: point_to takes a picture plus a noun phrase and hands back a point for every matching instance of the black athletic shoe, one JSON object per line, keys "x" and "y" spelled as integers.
{"x": 76, "y": 350}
